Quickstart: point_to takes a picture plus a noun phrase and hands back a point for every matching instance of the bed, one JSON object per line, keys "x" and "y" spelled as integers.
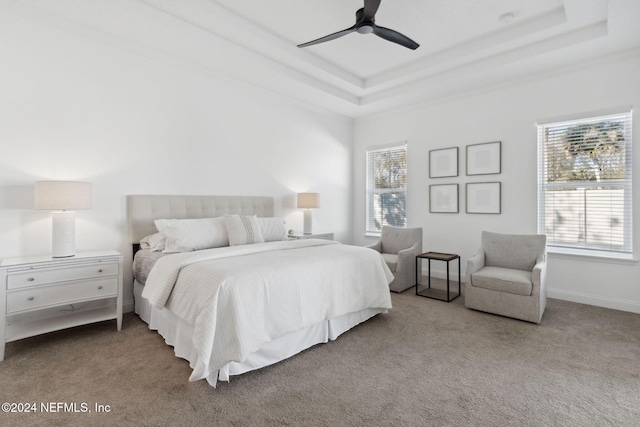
{"x": 245, "y": 304}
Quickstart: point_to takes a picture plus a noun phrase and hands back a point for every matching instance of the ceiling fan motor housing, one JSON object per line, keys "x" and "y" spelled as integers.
{"x": 362, "y": 26}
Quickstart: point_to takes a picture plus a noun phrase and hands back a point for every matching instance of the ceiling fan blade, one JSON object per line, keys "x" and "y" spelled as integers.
{"x": 370, "y": 9}
{"x": 329, "y": 37}
{"x": 395, "y": 37}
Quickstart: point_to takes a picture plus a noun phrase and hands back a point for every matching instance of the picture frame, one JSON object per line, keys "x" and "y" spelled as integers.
{"x": 484, "y": 198}
{"x": 443, "y": 198}
{"x": 443, "y": 162}
{"x": 484, "y": 158}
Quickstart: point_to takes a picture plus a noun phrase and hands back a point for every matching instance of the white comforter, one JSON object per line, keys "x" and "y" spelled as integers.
{"x": 238, "y": 298}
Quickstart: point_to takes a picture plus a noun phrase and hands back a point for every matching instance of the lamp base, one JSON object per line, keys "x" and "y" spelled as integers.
{"x": 306, "y": 225}
{"x": 63, "y": 239}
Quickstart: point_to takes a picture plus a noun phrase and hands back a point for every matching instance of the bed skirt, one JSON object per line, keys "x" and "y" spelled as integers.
{"x": 178, "y": 334}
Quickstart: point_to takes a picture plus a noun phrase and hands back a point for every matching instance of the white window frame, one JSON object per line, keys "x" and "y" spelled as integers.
{"x": 584, "y": 248}
{"x": 370, "y": 225}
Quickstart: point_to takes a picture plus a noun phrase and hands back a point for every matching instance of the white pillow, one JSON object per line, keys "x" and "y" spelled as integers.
{"x": 184, "y": 235}
{"x": 155, "y": 242}
{"x": 273, "y": 229}
{"x": 243, "y": 229}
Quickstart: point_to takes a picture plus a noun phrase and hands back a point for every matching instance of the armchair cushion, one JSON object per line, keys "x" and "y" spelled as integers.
{"x": 503, "y": 280}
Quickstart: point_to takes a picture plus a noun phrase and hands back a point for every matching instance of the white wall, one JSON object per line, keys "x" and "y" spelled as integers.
{"x": 72, "y": 109}
{"x": 509, "y": 114}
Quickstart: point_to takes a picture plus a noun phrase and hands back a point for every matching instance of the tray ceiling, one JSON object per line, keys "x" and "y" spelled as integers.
{"x": 465, "y": 45}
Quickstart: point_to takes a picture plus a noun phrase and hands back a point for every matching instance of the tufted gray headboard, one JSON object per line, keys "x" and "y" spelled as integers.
{"x": 142, "y": 210}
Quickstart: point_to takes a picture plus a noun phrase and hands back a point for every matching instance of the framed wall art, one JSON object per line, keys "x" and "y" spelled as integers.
{"x": 483, "y": 197}
{"x": 443, "y": 198}
{"x": 484, "y": 159}
{"x": 443, "y": 162}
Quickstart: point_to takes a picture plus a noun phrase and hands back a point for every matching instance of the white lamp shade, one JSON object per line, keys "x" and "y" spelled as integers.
{"x": 308, "y": 200}
{"x": 63, "y": 195}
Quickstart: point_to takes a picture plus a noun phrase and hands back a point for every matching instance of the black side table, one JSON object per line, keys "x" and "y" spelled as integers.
{"x": 429, "y": 292}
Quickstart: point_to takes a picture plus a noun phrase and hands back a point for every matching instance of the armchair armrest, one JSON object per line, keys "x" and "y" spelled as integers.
{"x": 409, "y": 255}
{"x": 376, "y": 246}
{"x": 539, "y": 274}
{"x": 474, "y": 264}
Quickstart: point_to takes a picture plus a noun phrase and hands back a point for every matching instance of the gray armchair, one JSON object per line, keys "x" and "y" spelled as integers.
{"x": 399, "y": 248}
{"x": 508, "y": 276}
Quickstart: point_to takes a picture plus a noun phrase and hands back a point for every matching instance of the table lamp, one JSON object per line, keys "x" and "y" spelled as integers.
{"x": 63, "y": 197}
{"x": 308, "y": 201}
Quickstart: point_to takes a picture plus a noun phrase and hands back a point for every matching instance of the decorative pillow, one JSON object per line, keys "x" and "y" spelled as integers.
{"x": 154, "y": 242}
{"x": 272, "y": 229}
{"x": 243, "y": 229}
{"x": 184, "y": 235}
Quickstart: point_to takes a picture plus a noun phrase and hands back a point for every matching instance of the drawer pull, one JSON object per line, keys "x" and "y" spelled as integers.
{"x": 30, "y": 298}
{"x": 30, "y": 279}
{"x": 100, "y": 287}
{"x": 100, "y": 271}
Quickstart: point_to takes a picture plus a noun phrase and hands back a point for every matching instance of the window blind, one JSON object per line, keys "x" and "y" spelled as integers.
{"x": 584, "y": 183}
{"x": 386, "y": 187}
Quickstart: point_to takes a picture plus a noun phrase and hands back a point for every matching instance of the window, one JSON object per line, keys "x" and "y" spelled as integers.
{"x": 584, "y": 184}
{"x": 386, "y": 187}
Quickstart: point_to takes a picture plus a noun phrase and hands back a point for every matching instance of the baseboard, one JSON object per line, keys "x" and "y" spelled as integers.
{"x": 128, "y": 306}
{"x": 613, "y": 303}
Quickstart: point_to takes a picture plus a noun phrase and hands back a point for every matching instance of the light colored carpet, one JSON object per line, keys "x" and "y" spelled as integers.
{"x": 425, "y": 363}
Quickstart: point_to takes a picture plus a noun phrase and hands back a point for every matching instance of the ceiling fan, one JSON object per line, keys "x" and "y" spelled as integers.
{"x": 365, "y": 24}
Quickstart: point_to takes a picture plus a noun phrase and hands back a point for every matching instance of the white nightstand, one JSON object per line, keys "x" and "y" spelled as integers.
{"x": 327, "y": 236}
{"x": 44, "y": 294}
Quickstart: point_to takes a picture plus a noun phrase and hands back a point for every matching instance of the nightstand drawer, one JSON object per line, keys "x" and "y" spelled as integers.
{"x": 33, "y": 277}
{"x": 60, "y": 294}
